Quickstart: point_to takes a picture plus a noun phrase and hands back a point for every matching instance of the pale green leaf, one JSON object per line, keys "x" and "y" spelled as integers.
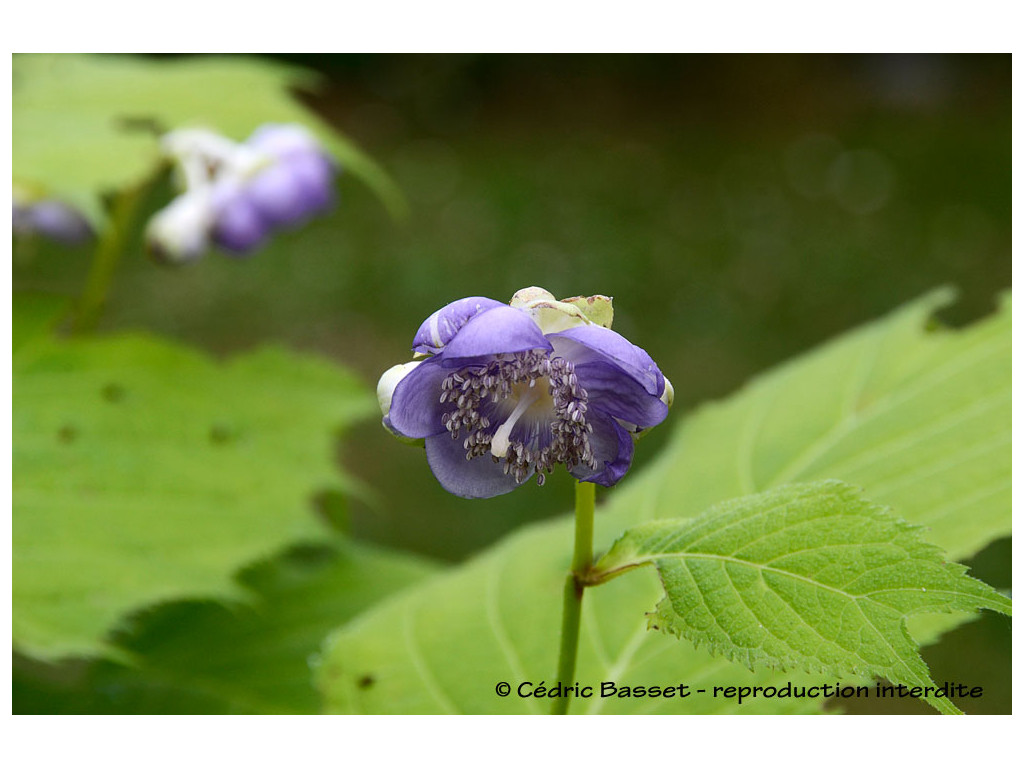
{"x": 214, "y": 657}
{"x": 145, "y": 471}
{"x": 87, "y": 125}
{"x": 808, "y": 575}
{"x": 34, "y": 315}
{"x": 442, "y": 648}
{"x": 917, "y": 417}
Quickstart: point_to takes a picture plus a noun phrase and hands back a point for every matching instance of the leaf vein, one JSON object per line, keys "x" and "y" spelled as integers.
{"x": 421, "y": 667}
{"x": 907, "y": 440}
{"x": 845, "y": 426}
{"x": 491, "y": 602}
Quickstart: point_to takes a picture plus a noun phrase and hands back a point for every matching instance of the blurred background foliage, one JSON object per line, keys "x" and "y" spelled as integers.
{"x": 740, "y": 209}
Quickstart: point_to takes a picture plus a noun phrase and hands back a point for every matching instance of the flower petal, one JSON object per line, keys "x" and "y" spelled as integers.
{"x": 59, "y": 222}
{"x": 588, "y": 343}
{"x": 283, "y": 139}
{"x": 494, "y": 331}
{"x": 389, "y": 381}
{"x": 314, "y": 173}
{"x": 438, "y": 329}
{"x": 619, "y": 394}
{"x": 613, "y": 449}
{"x": 280, "y": 196}
{"x": 239, "y": 227}
{"x": 477, "y": 478}
{"x": 416, "y": 408}
{"x": 181, "y": 231}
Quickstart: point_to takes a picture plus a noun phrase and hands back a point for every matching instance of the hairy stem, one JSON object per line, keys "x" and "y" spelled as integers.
{"x": 109, "y": 249}
{"x": 575, "y": 582}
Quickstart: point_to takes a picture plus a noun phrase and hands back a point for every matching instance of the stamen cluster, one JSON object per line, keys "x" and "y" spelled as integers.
{"x": 477, "y": 390}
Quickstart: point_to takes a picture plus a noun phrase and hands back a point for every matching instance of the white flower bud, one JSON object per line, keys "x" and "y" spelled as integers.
{"x": 181, "y": 231}
{"x": 201, "y": 154}
{"x": 669, "y": 394}
{"x": 389, "y": 380}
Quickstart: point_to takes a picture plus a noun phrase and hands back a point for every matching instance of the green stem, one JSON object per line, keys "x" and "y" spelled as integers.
{"x": 109, "y": 249}
{"x": 575, "y": 582}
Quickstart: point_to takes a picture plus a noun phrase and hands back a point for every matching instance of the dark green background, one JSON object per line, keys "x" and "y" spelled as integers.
{"x": 740, "y": 209}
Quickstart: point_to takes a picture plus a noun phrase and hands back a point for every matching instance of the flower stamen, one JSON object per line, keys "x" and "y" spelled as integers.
{"x": 550, "y": 409}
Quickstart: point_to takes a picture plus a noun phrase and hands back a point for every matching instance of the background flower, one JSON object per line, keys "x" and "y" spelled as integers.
{"x": 237, "y": 195}
{"x": 49, "y": 218}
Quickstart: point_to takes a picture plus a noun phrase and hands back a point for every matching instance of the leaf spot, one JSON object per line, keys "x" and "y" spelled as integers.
{"x": 221, "y": 434}
{"x": 366, "y": 681}
{"x": 113, "y": 393}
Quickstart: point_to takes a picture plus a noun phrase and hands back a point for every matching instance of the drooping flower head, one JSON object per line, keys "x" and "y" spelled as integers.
{"x": 505, "y": 392}
{"x": 236, "y": 195}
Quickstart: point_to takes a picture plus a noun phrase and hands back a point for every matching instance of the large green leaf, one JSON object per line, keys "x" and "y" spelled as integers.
{"x": 84, "y": 125}
{"x": 216, "y": 657}
{"x": 807, "y": 575}
{"x": 443, "y": 647}
{"x": 145, "y": 471}
{"x": 916, "y": 416}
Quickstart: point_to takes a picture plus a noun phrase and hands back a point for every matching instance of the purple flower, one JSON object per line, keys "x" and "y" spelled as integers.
{"x": 237, "y": 195}
{"x": 506, "y": 392}
{"x": 296, "y": 182}
{"x": 237, "y": 225}
{"x": 51, "y": 219}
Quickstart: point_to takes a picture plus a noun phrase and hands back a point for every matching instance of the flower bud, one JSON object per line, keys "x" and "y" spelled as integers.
{"x": 282, "y": 140}
{"x": 180, "y": 232}
{"x": 201, "y": 154}
{"x": 553, "y": 316}
{"x": 239, "y": 228}
{"x": 389, "y": 380}
{"x": 298, "y": 179}
{"x": 278, "y": 195}
{"x": 669, "y": 394}
{"x": 237, "y": 194}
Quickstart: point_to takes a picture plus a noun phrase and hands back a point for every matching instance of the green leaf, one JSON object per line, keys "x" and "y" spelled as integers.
{"x": 916, "y": 416}
{"x": 145, "y": 471}
{"x": 214, "y": 657}
{"x": 444, "y": 645}
{"x": 87, "y": 125}
{"x": 35, "y": 315}
{"x": 807, "y": 575}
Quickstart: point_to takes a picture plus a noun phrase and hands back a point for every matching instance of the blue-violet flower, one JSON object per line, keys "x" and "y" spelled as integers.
{"x": 236, "y": 195}
{"x": 51, "y": 218}
{"x": 503, "y": 392}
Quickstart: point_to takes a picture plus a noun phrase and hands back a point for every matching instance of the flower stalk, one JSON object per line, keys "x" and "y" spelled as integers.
{"x": 575, "y": 583}
{"x": 499, "y": 393}
{"x": 108, "y": 252}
